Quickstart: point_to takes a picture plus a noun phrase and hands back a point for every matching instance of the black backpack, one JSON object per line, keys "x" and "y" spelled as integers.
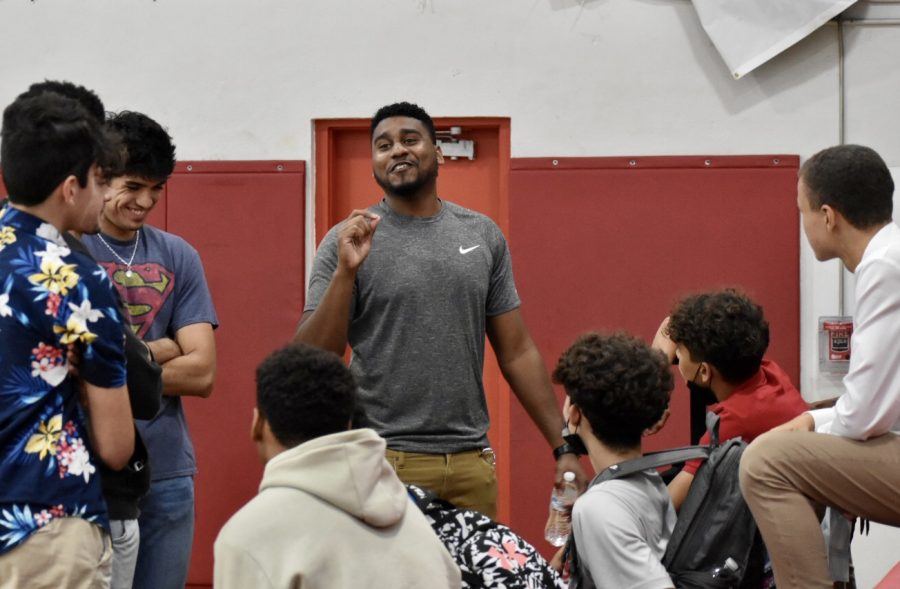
{"x": 714, "y": 523}
{"x": 489, "y": 554}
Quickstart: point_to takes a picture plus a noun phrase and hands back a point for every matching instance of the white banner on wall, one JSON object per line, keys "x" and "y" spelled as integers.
{"x": 748, "y": 34}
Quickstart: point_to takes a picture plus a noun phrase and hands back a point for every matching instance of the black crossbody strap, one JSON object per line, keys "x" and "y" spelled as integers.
{"x": 712, "y": 427}
{"x": 580, "y": 577}
{"x": 663, "y": 457}
{"x": 651, "y": 460}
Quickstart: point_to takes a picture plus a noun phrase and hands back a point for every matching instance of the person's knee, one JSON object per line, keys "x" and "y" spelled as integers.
{"x": 759, "y": 460}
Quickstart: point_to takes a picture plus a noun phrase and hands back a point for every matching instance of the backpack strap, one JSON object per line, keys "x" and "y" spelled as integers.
{"x": 712, "y": 427}
{"x": 651, "y": 460}
{"x": 663, "y": 457}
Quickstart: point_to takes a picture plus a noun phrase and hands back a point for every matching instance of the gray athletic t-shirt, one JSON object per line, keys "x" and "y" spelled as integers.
{"x": 622, "y": 528}
{"x": 417, "y": 324}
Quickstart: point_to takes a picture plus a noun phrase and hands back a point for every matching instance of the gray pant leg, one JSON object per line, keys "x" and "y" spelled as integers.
{"x": 126, "y": 538}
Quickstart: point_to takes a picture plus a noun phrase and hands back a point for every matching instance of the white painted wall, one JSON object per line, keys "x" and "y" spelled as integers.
{"x": 243, "y": 79}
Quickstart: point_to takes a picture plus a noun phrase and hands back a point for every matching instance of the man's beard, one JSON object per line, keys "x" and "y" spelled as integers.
{"x": 408, "y": 190}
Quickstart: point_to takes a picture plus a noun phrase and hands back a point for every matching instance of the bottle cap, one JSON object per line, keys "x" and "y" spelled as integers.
{"x": 568, "y": 476}
{"x": 731, "y": 564}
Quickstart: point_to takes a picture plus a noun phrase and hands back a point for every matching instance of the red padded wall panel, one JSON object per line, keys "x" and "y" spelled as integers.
{"x": 610, "y": 243}
{"x": 157, "y": 216}
{"x": 247, "y": 221}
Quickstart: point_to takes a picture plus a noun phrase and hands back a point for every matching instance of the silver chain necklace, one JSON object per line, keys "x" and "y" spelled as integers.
{"x": 137, "y": 240}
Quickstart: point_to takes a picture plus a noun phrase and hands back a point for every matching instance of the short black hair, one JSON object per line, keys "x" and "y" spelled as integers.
{"x": 304, "y": 392}
{"x": 46, "y": 138}
{"x": 620, "y": 384}
{"x": 853, "y": 180}
{"x": 149, "y": 151}
{"x": 724, "y": 328}
{"x": 84, "y": 96}
{"x": 403, "y": 109}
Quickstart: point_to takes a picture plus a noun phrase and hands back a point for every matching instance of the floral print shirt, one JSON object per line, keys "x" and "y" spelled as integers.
{"x": 50, "y": 297}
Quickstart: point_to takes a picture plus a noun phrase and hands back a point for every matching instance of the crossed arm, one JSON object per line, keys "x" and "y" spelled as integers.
{"x": 188, "y": 361}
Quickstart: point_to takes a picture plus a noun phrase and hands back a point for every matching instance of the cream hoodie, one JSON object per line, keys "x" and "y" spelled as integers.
{"x": 332, "y": 513}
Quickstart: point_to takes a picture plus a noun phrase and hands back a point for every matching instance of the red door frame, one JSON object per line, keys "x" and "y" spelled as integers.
{"x": 325, "y": 133}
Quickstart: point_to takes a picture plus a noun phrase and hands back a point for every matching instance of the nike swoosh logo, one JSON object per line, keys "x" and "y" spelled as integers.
{"x": 468, "y": 249}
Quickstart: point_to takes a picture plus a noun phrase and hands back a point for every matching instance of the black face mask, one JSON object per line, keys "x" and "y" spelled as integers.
{"x": 574, "y": 440}
{"x": 701, "y": 394}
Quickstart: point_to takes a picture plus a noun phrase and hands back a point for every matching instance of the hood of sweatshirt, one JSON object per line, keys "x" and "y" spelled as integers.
{"x": 347, "y": 470}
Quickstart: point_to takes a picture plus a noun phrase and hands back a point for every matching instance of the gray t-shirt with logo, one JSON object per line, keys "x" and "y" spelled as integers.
{"x": 417, "y": 324}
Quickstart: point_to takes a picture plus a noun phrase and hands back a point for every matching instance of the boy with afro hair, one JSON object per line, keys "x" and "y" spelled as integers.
{"x": 617, "y": 391}
{"x": 718, "y": 340}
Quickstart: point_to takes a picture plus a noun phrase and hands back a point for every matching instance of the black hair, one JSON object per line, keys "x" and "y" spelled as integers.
{"x": 360, "y": 419}
{"x": 149, "y": 151}
{"x": 620, "y": 384}
{"x": 724, "y": 328}
{"x": 304, "y": 392}
{"x": 403, "y": 109}
{"x": 46, "y": 138}
{"x": 85, "y": 97}
{"x": 853, "y": 180}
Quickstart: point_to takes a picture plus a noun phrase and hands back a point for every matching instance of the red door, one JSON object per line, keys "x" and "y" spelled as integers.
{"x": 344, "y": 182}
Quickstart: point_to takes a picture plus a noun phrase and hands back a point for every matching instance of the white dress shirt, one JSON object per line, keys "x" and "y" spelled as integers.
{"x": 870, "y": 405}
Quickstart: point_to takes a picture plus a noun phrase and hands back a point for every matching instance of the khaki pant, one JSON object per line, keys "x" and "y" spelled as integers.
{"x": 466, "y": 479}
{"x": 67, "y": 553}
{"x": 787, "y": 476}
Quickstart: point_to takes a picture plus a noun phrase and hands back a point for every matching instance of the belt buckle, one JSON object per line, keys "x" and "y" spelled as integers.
{"x": 489, "y": 456}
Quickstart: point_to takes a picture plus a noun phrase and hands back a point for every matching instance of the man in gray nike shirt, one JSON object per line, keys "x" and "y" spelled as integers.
{"x": 413, "y": 283}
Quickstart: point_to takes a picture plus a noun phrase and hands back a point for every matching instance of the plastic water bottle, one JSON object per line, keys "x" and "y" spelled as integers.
{"x": 559, "y": 524}
{"x": 727, "y": 573}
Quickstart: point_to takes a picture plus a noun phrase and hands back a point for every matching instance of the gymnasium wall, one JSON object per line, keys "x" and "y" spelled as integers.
{"x": 240, "y": 80}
